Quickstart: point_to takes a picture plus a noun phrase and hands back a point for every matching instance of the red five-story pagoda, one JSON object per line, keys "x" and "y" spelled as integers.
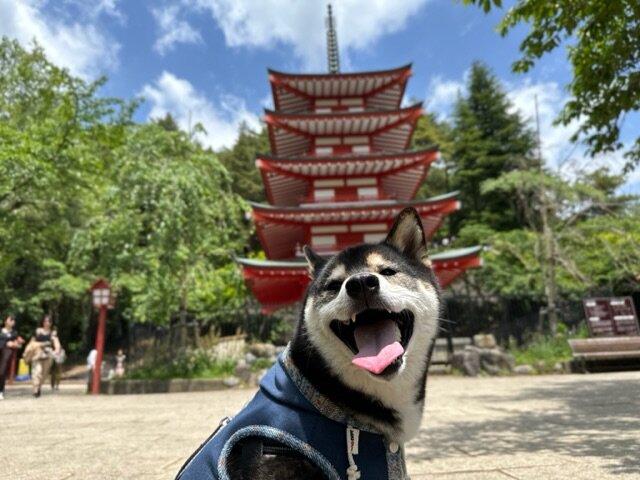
{"x": 339, "y": 173}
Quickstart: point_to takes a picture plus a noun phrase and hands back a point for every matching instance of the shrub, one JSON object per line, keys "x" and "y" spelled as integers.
{"x": 193, "y": 363}
{"x": 544, "y": 351}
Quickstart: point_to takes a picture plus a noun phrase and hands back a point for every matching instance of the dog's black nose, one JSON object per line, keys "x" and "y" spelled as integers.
{"x": 362, "y": 284}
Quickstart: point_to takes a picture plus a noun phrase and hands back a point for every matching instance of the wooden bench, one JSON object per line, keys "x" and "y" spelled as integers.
{"x": 445, "y": 347}
{"x": 604, "y": 349}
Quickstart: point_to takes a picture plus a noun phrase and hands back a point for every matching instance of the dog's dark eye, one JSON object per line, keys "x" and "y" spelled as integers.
{"x": 334, "y": 286}
{"x": 387, "y": 272}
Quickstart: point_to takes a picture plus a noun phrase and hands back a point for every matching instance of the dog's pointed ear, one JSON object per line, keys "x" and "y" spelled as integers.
{"x": 407, "y": 236}
{"x": 314, "y": 260}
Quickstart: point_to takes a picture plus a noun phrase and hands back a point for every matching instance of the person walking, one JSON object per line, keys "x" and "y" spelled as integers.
{"x": 9, "y": 343}
{"x": 47, "y": 340}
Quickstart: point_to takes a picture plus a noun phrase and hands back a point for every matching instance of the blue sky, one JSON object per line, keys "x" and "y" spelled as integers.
{"x": 206, "y": 60}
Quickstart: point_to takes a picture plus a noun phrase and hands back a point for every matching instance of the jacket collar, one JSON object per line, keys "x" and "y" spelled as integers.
{"x": 319, "y": 401}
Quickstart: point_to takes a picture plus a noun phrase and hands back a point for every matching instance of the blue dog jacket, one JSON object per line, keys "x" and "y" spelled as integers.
{"x": 289, "y": 411}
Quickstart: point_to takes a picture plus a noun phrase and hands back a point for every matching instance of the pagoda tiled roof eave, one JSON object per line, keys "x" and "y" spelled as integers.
{"x": 345, "y": 158}
{"x": 448, "y": 255}
{"x": 270, "y": 114}
{"x": 355, "y": 205}
{"x": 279, "y": 73}
{"x": 278, "y": 283}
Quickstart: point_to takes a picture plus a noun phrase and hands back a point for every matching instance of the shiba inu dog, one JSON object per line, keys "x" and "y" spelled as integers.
{"x": 349, "y": 390}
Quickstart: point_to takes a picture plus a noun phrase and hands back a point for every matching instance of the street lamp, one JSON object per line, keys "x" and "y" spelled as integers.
{"x": 102, "y": 299}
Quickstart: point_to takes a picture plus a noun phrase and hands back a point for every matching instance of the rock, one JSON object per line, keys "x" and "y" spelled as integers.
{"x": 231, "y": 381}
{"x": 457, "y": 361}
{"x": 558, "y": 368}
{"x": 484, "y": 341}
{"x": 524, "y": 370}
{"x": 471, "y": 361}
{"x": 250, "y": 358}
{"x": 497, "y": 359}
{"x": 243, "y": 371}
{"x": 262, "y": 350}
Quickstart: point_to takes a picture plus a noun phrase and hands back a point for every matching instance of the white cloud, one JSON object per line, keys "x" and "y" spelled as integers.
{"x": 172, "y": 29}
{"x": 77, "y": 44}
{"x": 300, "y": 24}
{"x": 170, "y": 94}
{"x": 442, "y": 95}
{"x": 560, "y": 154}
{"x": 557, "y": 148}
{"x": 96, "y": 8}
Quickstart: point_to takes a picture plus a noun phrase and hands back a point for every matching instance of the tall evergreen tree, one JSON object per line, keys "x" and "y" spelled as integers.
{"x": 431, "y": 132}
{"x": 488, "y": 140}
{"x": 240, "y": 161}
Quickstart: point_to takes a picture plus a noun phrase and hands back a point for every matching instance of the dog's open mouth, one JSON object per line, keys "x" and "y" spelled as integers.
{"x": 378, "y": 338}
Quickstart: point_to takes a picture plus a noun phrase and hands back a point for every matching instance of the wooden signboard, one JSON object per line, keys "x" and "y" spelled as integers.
{"x": 611, "y": 316}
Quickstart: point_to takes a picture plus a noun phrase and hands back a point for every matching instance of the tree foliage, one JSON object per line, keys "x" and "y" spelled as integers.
{"x": 240, "y": 161}
{"x": 171, "y": 220}
{"x": 86, "y": 192}
{"x": 603, "y": 43}
{"x": 429, "y": 132}
{"x": 487, "y": 140}
{"x": 56, "y": 136}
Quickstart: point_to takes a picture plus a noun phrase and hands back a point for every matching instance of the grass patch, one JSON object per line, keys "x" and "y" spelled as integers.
{"x": 543, "y": 352}
{"x": 194, "y": 363}
{"x": 261, "y": 364}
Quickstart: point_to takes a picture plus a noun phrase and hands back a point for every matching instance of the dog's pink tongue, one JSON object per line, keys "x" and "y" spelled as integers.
{"x": 377, "y": 346}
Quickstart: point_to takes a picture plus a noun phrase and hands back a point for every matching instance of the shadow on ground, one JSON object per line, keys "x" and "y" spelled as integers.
{"x": 594, "y": 418}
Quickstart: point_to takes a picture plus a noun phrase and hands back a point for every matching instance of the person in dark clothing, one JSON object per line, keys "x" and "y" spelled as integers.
{"x": 9, "y": 343}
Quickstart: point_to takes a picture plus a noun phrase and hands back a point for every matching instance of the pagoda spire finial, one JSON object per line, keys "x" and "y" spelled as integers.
{"x": 333, "y": 58}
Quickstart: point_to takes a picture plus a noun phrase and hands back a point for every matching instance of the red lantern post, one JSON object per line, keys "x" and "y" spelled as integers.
{"x": 101, "y": 299}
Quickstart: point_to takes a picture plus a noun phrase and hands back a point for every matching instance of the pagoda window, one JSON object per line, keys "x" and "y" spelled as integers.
{"x": 323, "y": 110}
{"x": 369, "y": 227}
{"x": 324, "y": 150}
{"x": 355, "y": 140}
{"x": 327, "y": 141}
{"x": 323, "y": 241}
{"x": 352, "y": 102}
{"x": 316, "y": 229}
{"x": 361, "y": 181}
{"x": 356, "y": 109}
{"x": 361, "y": 149}
{"x": 368, "y": 193}
{"x": 374, "y": 237}
{"x": 334, "y": 182}
{"x": 326, "y": 102}
{"x": 324, "y": 194}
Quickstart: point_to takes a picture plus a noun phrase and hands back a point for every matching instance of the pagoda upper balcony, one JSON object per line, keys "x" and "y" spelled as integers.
{"x": 296, "y": 180}
{"x": 385, "y": 131}
{"x": 332, "y": 227}
{"x": 324, "y": 93}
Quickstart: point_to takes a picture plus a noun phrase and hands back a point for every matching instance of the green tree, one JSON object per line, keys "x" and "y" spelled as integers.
{"x": 431, "y": 132}
{"x": 169, "y": 228}
{"x": 240, "y": 161}
{"x": 487, "y": 140}
{"x": 56, "y": 137}
{"x": 604, "y": 50}
{"x": 555, "y": 210}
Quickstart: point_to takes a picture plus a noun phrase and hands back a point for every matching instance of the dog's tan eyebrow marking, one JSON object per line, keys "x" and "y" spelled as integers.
{"x": 338, "y": 273}
{"x": 375, "y": 261}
